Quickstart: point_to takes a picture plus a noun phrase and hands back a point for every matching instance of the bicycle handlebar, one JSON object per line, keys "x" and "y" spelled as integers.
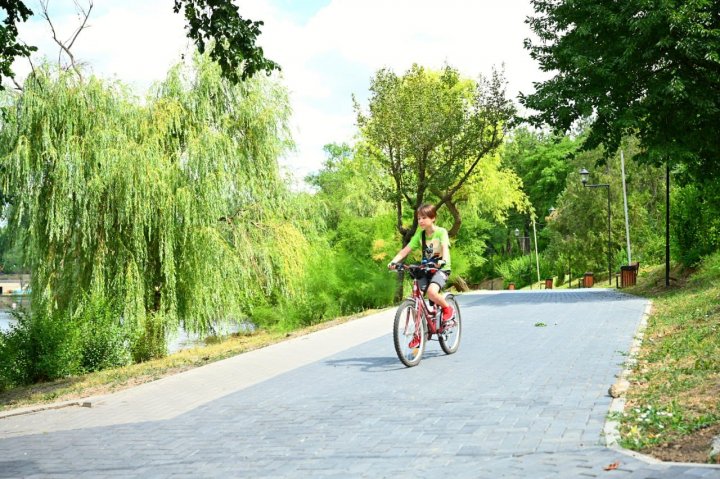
{"x": 408, "y": 267}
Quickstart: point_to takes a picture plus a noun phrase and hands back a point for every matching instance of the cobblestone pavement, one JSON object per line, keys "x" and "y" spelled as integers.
{"x": 518, "y": 400}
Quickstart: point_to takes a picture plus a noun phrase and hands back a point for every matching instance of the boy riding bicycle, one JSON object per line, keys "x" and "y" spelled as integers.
{"x": 436, "y": 250}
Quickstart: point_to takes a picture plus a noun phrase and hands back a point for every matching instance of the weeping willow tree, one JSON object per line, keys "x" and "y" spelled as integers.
{"x": 166, "y": 213}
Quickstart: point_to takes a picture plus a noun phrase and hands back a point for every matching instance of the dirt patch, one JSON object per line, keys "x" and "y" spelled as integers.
{"x": 694, "y": 447}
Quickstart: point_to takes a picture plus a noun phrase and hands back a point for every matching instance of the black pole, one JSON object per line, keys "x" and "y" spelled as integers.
{"x": 492, "y": 272}
{"x": 667, "y": 223}
{"x": 609, "y": 242}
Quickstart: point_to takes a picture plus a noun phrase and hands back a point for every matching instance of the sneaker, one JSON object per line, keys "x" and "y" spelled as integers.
{"x": 448, "y": 314}
{"x": 415, "y": 342}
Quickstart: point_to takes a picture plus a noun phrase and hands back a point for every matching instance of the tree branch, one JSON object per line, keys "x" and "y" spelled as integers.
{"x": 63, "y": 47}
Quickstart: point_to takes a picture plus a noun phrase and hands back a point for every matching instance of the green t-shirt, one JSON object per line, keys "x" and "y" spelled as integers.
{"x": 433, "y": 244}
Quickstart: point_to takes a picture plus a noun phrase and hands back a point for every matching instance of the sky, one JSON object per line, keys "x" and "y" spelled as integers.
{"x": 328, "y": 50}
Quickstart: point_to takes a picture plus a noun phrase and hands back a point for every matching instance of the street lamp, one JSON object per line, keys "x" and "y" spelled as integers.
{"x": 523, "y": 241}
{"x": 584, "y": 177}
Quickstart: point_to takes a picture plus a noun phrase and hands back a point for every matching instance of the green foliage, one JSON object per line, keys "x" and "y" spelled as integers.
{"x": 650, "y": 69}
{"x": 542, "y": 162}
{"x": 104, "y": 341}
{"x": 650, "y": 425}
{"x": 430, "y": 131}
{"x": 39, "y": 347}
{"x": 576, "y": 233}
{"x": 232, "y": 35}
{"x": 522, "y": 270}
{"x": 150, "y": 342}
{"x": 695, "y": 222}
{"x": 144, "y": 217}
{"x": 11, "y": 258}
{"x": 14, "y": 11}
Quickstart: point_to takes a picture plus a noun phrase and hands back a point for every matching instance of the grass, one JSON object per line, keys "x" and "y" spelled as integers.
{"x": 110, "y": 380}
{"x": 675, "y": 385}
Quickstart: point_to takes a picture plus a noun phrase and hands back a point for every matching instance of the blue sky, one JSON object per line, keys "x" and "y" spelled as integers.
{"x": 328, "y": 49}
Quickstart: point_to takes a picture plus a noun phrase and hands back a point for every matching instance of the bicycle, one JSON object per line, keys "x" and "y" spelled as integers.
{"x": 418, "y": 317}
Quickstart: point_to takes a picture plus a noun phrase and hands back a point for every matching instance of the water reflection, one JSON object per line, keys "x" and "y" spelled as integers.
{"x": 7, "y": 304}
{"x": 184, "y": 340}
{"x": 5, "y": 320}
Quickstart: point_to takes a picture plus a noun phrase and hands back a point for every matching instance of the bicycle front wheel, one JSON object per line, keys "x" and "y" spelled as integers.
{"x": 450, "y": 336}
{"x": 409, "y": 334}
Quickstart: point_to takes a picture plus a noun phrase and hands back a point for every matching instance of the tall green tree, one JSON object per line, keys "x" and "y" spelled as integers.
{"x": 637, "y": 67}
{"x": 166, "y": 213}
{"x": 577, "y": 230}
{"x": 430, "y": 131}
{"x": 542, "y": 162}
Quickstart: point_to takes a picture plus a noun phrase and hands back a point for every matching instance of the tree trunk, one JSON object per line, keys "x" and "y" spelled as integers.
{"x": 457, "y": 220}
{"x": 401, "y": 274}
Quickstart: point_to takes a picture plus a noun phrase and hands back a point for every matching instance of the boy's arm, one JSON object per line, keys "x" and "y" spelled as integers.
{"x": 445, "y": 252}
{"x": 401, "y": 255}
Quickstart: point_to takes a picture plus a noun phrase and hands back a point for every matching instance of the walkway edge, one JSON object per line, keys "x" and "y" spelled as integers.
{"x": 611, "y": 432}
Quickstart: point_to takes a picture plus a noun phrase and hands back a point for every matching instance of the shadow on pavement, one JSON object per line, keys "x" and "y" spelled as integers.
{"x": 379, "y": 364}
{"x": 372, "y": 365}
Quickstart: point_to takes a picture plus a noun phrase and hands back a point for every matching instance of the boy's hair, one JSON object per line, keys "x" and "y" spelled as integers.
{"x": 426, "y": 211}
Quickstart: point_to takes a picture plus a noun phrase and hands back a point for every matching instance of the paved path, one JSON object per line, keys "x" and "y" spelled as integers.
{"x": 516, "y": 401}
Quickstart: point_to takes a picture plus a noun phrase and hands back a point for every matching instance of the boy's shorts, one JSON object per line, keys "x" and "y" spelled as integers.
{"x": 440, "y": 278}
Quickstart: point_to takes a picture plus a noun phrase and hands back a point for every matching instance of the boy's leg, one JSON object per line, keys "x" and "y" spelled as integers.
{"x": 433, "y": 292}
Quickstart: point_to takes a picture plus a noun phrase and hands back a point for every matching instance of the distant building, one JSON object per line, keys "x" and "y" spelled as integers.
{"x": 10, "y": 287}
{"x": 14, "y": 284}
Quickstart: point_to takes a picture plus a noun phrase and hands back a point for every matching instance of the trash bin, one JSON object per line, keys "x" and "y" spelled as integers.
{"x": 588, "y": 280}
{"x": 628, "y": 275}
{"x": 548, "y": 283}
{"x": 511, "y": 286}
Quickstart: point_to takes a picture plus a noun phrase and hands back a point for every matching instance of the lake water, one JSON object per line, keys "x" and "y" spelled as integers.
{"x": 5, "y": 320}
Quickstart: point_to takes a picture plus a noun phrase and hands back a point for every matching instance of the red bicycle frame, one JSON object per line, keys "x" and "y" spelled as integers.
{"x": 421, "y": 307}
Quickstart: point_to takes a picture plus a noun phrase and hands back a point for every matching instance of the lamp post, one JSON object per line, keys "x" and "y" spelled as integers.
{"x": 584, "y": 176}
{"x": 523, "y": 241}
{"x": 526, "y": 245}
{"x": 490, "y": 251}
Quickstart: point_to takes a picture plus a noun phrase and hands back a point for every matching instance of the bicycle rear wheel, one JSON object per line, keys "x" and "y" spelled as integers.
{"x": 409, "y": 334}
{"x": 450, "y": 337}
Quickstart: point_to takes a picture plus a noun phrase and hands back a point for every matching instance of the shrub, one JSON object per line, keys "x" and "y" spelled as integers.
{"x": 522, "y": 270}
{"x": 40, "y": 347}
{"x": 105, "y": 341}
{"x": 151, "y": 343}
{"x": 695, "y": 223}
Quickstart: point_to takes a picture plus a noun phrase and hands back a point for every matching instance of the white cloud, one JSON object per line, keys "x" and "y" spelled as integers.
{"x": 365, "y": 35}
{"x": 325, "y": 58}
{"x": 134, "y": 41}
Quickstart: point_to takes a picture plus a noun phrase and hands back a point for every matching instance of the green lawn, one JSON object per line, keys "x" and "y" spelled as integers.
{"x": 675, "y": 385}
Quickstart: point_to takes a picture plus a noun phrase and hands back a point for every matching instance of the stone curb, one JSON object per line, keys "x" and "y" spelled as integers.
{"x": 87, "y": 402}
{"x": 611, "y": 432}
